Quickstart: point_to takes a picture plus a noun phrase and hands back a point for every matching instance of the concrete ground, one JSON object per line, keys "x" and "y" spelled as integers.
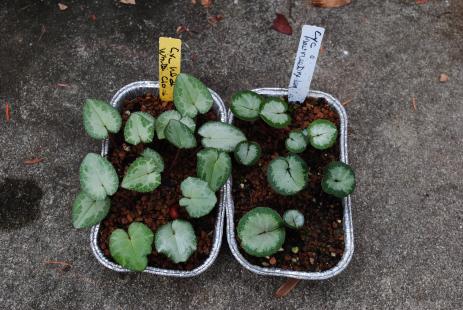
{"x": 407, "y": 209}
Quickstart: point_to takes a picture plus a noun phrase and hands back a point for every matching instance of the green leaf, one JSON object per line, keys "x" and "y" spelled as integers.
{"x": 293, "y": 219}
{"x": 287, "y": 175}
{"x": 180, "y": 135}
{"x": 176, "y": 240}
{"x": 163, "y": 120}
{"x": 87, "y": 211}
{"x": 322, "y": 134}
{"x": 99, "y": 118}
{"x": 131, "y": 250}
{"x": 98, "y": 178}
{"x": 191, "y": 96}
{"x": 338, "y": 179}
{"x": 274, "y": 113}
{"x": 296, "y": 142}
{"x": 221, "y": 136}
{"x": 214, "y": 167}
{"x": 198, "y": 199}
{"x": 139, "y": 128}
{"x": 247, "y": 153}
{"x": 261, "y": 232}
{"x": 143, "y": 175}
{"x": 149, "y": 153}
{"x": 246, "y": 105}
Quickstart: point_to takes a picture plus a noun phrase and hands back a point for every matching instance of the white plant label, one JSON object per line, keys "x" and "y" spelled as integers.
{"x": 304, "y": 65}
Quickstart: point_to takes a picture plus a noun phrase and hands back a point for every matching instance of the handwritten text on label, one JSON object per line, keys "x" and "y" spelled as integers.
{"x": 170, "y": 52}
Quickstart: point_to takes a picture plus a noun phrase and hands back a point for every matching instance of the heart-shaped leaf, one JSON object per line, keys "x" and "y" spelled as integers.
{"x": 293, "y": 219}
{"x": 296, "y": 142}
{"x": 287, "y": 175}
{"x": 176, "y": 240}
{"x": 143, "y": 175}
{"x": 338, "y": 179}
{"x": 100, "y": 118}
{"x": 191, "y": 96}
{"x": 322, "y": 134}
{"x": 87, "y": 211}
{"x": 163, "y": 120}
{"x": 247, "y": 153}
{"x": 150, "y": 153}
{"x": 221, "y": 136}
{"x": 274, "y": 113}
{"x": 246, "y": 105}
{"x": 214, "y": 167}
{"x": 261, "y": 232}
{"x": 198, "y": 199}
{"x": 180, "y": 135}
{"x": 131, "y": 250}
{"x": 139, "y": 128}
{"x": 98, "y": 178}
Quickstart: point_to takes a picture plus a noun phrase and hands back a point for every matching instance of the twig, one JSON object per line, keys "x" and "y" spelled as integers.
{"x": 64, "y": 265}
{"x": 7, "y": 112}
{"x": 347, "y": 102}
{"x": 414, "y": 103}
{"x": 33, "y": 161}
{"x": 286, "y": 287}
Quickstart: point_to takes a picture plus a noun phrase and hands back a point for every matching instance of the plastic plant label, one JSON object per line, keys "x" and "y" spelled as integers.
{"x": 170, "y": 53}
{"x": 304, "y": 65}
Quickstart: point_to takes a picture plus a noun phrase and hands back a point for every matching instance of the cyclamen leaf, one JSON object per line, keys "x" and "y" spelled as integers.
{"x": 99, "y": 118}
{"x": 98, "y": 178}
{"x": 220, "y": 136}
{"x": 287, "y": 175}
{"x": 338, "y": 179}
{"x": 143, "y": 175}
{"x": 191, "y": 96}
{"x": 296, "y": 143}
{"x": 246, "y": 105}
{"x": 322, "y": 134}
{"x": 180, "y": 135}
{"x": 261, "y": 232}
{"x": 163, "y": 120}
{"x": 87, "y": 211}
{"x": 139, "y": 128}
{"x": 247, "y": 153}
{"x": 176, "y": 240}
{"x": 293, "y": 219}
{"x": 214, "y": 167}
{"x": 149, "y": 153}
{"x": 131, "y": 250}
{"x": 198, "y": 199}
{"x": 189, "y": 122}
{"x": 274, "y": 113}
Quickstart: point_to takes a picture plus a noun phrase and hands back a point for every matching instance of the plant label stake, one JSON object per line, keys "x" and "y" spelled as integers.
{"x": 304, "y": 65}
{"x": 170, "y": 53}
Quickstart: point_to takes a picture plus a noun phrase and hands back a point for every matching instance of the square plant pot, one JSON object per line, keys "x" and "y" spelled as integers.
{"x": 131, "y": 91}
{"x": 346, "y": 204}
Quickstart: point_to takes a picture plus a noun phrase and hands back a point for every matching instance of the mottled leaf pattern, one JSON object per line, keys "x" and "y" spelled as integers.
{"x": 247, "y": 153}
{"x": 139, "y": 128}
{"x": 191, "y": 96}
{"x": 198, "y": 199}
{"x": 180, "y": 135}
{"x": 287, "y": 175}
{"x": 143, "y": 175}
{"x": 176, "y": 240}
{"x": 100, "y": 118}
{"x": 293, "y": 219}
{"x": 98, "y": 178}
{"x": 214, "y": 167}
{"x": 338, "y": 179}
{"x": 87, "y": 211}
{"x": 246, "y": 105}
{"x": 322, "y": 134}
{"x": 296, "y": 142}
{"x": 221, "y": 136}
{"x": 274, "y": 113}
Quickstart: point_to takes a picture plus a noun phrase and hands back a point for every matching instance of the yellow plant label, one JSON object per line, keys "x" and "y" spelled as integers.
{"x": 170, "y": 53}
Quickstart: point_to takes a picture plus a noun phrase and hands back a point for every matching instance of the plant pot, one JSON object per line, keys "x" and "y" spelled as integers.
{"x": 345, "y": 213}
{"x": 131, "y": 91}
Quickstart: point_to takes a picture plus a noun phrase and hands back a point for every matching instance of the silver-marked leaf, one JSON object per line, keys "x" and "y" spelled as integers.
{"x": 191, "y": 96}
{"x": 221, "y": 136}
{"x": 261, "y": 232}
{"x": 322, "y": 134}
{"x": 149, "y": 153}
{"x": 338, "y": 179}
{"x": 100, "y": 118}
{"x": 130, "y": 250}
{"x": 98, "y": 178}
{"x": 287, "y": 175}
{"x": 139, "y": 128}
{"x": 273, "y": 112}
{"x": 198, "y": 199}
{"x": 293, "y": 219}
{"x": 176, "y": 240}
{"x": 296, "y": 142}
{"x": 180, "y": 135}
{"x": 143, "y": 175}
{"x": 247, "y": 153}
{"x": 189, "y": 122}
{"x": 246, "y": 105}
{"x": 87, "y": 211}
{"x": 163, "y": 120}
{"x": 214, "y": 167}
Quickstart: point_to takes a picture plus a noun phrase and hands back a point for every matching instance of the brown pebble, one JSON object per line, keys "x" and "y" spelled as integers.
{"x": 273, "y": 261}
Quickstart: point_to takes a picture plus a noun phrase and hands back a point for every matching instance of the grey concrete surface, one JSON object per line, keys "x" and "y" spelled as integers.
{"x": 407, "y": 208}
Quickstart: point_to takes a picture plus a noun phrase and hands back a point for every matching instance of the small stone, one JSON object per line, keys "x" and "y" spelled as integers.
{"x": 241, "y": 185}
{"x": 295, "y": 259}
{"x": 267, "y": 257}
{"x": 273, "y": 261}
{"x": 126, "y": 147}
{"x": 265, "y": 264}
{"x": 295, "y": 249}
{"x": 333, "y": 254}
{"x": 127, "y": 112}
{"x": 339, "y": 221}
{"x": 312, "y": 260}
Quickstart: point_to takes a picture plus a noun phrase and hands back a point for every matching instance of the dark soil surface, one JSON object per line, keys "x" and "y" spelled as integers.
{"x": 319, "y": 245}
{"x": 160, "y": 206}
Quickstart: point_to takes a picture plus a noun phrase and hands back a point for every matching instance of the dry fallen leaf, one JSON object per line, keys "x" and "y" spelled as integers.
{"x": 130, "y": 2}
{"x": 287, "y": 287}
{"x": 281, "y": 24}
{"x": 421, "y": 1}
{"x": 330, "y": 3}
{"x": 214, "y": 19}
{"x": 62, "y": 6}
{"x": 443, "y": 77}
{"x": 33, "y": 161}
{"x": 206, "y": 3}
{"x": 414, "y": 103}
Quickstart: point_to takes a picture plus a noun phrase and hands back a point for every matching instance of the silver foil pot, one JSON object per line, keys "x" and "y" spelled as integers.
{"x": 131, "y": 91}
{"x": 347, "y": 215}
